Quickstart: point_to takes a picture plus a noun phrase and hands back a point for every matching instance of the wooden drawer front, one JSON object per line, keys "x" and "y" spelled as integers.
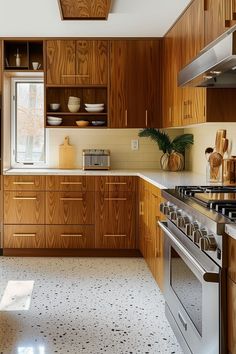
{"x": 24, "y": 236}
{"x": 232, "y": 258}
{"x": 70, "y": 208}
{"x": 70, "y": 183}
{"x": 72, "y": 236}
{"x": 24, "y": 207}
{"x": 116, "y": 184}
{"x": 24, "y": 183}
{"x": 115, "y": 220}
{"x": 231, "y": 306}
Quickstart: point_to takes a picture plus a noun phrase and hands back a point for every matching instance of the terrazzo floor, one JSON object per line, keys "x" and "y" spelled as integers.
{"x": 85, "y": 305}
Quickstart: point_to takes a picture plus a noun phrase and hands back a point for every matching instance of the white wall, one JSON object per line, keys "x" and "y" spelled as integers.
{"x": 117, "y": 140}
{"x": 204, "y": 136}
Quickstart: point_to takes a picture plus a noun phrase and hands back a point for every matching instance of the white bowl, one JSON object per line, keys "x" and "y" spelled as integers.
{"x": 54, "y": 106}
{"x": 54, "y": 123}
{"x": 94, "y": 105}
{"x": 54, "y": 118}
{"x": 94, "y": 110}
{"x": 73, "y": 108}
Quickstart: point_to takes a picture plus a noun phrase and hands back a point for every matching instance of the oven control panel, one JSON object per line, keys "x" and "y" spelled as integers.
{"x": 198, "y": 233}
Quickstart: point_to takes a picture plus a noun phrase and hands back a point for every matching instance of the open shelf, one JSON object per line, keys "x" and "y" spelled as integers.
{"x": 75, "y": 114}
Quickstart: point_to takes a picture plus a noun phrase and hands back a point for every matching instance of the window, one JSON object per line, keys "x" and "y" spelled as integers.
{"x": 28, "y": 132}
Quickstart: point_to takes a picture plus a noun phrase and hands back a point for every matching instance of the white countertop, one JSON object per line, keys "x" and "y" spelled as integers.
{"x": 158, "y": 178}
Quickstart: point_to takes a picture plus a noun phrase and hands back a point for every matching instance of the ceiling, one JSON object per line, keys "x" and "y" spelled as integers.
{"x": 41, "y": 18}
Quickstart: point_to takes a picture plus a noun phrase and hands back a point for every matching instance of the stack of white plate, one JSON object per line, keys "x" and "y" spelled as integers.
{"x": 94, "y": 107}
{"x": 74, "y": 104}
{"x": 54, "y": 120}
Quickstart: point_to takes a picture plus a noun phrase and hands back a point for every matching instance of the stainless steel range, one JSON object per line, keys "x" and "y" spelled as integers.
{"x": 195, "y": 264}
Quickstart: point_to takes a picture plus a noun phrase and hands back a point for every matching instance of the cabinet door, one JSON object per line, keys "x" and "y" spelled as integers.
{"x": 118, "y": 114}
{"x": 24, "y": 183}
{"x": 60, "y": 62}
{"x": 219, "y": 17}
{"x": 100, "y": 62}
{"x": 1, "y": 67}
{"x": 84, "y": 62}
{"x": 24, "y": 236}
{"x": 231, "y": 305}
{"x": 115, "y": 220}
{"x": 167, "y": 81}
{"x": 70, "y": 236}
{"x": 24, "y": 207}
{"x": 69, "y": 208}
{"x": 70, "y": 183}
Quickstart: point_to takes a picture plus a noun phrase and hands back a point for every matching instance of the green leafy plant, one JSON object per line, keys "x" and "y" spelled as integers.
{"x": 165, "y": 144}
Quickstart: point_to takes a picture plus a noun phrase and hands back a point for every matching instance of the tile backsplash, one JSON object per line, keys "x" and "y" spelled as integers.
{"x": 118, "y": 141}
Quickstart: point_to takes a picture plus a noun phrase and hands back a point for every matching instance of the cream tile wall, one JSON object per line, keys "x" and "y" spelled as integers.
{"x": 204, "y": 136}
{"x": 117, "y": 140}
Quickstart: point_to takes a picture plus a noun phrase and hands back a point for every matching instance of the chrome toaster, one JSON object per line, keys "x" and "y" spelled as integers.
{"x": 94, "y": 159}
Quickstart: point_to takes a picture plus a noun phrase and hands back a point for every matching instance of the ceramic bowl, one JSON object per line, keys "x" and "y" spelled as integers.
{"x": 54, "y": 106}
{"x": 82, "y": 123}
{"x": 98, "y": 122}
{"x": 94, "y": 105}
{"x": 94, "y": 110}
{"x": 73, "y": 108}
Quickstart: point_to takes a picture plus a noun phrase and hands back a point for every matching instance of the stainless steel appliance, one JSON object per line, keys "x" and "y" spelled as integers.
{"x": 214, "y": 66}
{"x": 94, "y": 159}
{"x": 195, "y": 264}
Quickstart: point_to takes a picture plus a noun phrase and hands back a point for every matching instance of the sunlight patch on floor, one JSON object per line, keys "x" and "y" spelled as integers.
{"x": 17, "y": 295}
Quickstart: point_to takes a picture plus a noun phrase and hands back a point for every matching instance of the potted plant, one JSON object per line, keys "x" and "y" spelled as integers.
{"x": 173, "y": 150}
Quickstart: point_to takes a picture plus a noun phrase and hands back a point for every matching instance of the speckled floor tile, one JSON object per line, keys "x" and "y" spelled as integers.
{"x": 85, "y": 305}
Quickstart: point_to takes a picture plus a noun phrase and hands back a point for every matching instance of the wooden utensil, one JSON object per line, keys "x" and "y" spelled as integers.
{"x": 66, "y": 155}
{"x": 221, "y": 133}
{"x": 215, "y": 161}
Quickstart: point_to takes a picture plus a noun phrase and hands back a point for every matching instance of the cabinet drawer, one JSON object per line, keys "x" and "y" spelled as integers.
{"x": 232, "y": 258}
{"x": 72, "y": 236}
{"x": 70, "y": 208}
{"x": 24, "y": 183}
{"x": 231, "y": 310}
{"x": 115, "y": 220}
{"x": 69, "y": 183}
{"x": 24, "y": 207}
{"x": 24, "y": 236}
{"x": 116, "y": 183}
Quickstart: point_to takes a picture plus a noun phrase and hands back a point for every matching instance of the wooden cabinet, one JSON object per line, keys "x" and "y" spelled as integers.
{"x": 116, "y": 212}
{"x": 1, "y": 67}
{"x": 24, "y": 183}
{"x": 134, "y": 100}
{"x": 70, "y": 236}
{"x": 70, "y": 183}
{"x": 219, "y": 16}
{"x": 231, "y": 305}
{"x": 80, "y": 62}
{"x": 150, "y": 235}
{"x": 24, "y": 236}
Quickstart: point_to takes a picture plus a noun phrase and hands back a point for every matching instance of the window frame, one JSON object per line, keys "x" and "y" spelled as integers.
{"x": 14, "y": 163}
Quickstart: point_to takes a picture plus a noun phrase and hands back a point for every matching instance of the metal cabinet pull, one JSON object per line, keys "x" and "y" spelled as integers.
{"x": 71, "y": 199}
{"x": 114, "y": 235}
{"x": 25, "y": 198}
{"x": 170, "y": 115}
{"x": 141, "y": 212}
{"x": 126, "y": 117}
{"x": 114, "y": 199}
{"x": 70, "y": 183}
{"x": 71, "y": 235}
{"x": 23, "y": 183}
{"x": 116, "y": 183}
{"x": 146, "y": 117}
{"x": 24, "y": 235}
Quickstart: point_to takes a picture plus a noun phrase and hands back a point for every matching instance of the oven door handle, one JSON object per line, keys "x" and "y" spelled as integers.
{"x": 210, "y": 277}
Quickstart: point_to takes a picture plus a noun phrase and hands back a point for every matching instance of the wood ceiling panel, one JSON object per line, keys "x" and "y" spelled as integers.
{"x": 84, "y": 9}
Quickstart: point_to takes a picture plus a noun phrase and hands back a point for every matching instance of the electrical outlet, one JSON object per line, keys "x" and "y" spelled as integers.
{"x": 134, "y": 144}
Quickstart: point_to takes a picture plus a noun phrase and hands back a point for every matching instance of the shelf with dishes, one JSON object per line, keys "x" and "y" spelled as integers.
{"x": 76, "y": 121}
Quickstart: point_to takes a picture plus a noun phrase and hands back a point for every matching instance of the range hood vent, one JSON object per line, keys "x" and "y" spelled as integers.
{"x": 214, "y": 67}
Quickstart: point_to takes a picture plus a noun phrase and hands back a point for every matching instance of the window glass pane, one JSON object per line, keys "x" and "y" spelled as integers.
{"x": 29, "y": 124}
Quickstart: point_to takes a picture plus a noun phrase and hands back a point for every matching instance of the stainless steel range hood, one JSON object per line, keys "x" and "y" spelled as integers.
{"x": 214, "y": 67}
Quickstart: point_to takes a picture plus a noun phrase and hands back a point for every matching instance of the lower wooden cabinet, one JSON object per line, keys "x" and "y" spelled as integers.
{"x": 115, "y": 220}
{"x": 231, "y": 304}
{"x": 24, "y": 236}
{"x": 70, "y": 208}
{"x": 24, "y": 207}
{"x": 70, "y": 236}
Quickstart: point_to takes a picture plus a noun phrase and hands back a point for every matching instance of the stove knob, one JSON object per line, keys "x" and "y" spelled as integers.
{"x": 211, "y": 245}
{"x": 180, "y": 221}
{"x": 173, "y": 215}
{"x": 204, "y": 243}
{"x": 189, "y": 228}
{"x": 196, "y": 236}
{"x": 162, "y": 205}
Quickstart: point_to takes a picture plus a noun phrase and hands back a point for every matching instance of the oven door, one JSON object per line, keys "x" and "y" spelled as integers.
{"x": 191, "y": 290}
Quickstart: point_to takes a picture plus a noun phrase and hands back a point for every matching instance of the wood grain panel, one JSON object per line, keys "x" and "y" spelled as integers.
{"x": 70, "y": 208}
{"x": 232, "y": 259}
{"x": 214, "y": 19}
{"x": 70, "y": 183}
{"x": 22, "y": 183}
{"x": 115, "y": 220}
{"x": 24, "y": 236}
{"x": 118, "y": 84}
{"x": 84, "y": 62}
{"x": 231, "y": 305}
{"x": 60, "y": 59}
{"x": 72, "y": 236}
{"x": 221, "y": 105}
{"x": 116, "y": 183}
{"x": 24, "y": 207}
{"x": 100, "y": 62}
{"x": 1, "y": 66}
{"x": 167, "y": 81}
{"x": 84, "y": 9}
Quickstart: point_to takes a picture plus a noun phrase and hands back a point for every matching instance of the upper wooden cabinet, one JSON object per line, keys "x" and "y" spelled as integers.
{"x": 134, "y": 83}
{"x": 219, "y": 16}
{"x": 81, "y": 62}
{"x": 1, "y": 68}
{"x": 84, "y": 9}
